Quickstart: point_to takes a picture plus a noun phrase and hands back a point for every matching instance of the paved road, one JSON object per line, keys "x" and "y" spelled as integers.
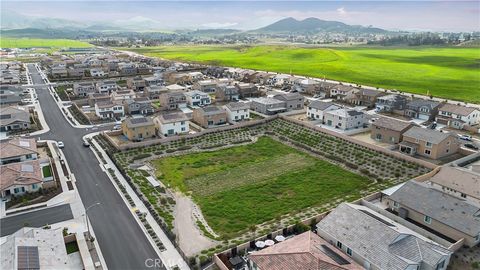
{"x": 35, "y": 219}
{"x": 123, "y": 243}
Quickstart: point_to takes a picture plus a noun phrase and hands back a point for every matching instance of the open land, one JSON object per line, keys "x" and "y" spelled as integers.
{"x": 445, "y": 72}
{"x": 6, "y": 42}
{"x": 246, "y": 185}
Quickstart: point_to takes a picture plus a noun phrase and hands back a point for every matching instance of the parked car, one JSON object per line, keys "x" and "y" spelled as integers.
{"x": 60, "y": 144}
{"x": 471, "y": 146}
{"x": 466, "y": 138}
{"x": 86, "y": 144}
{"x": 117, "y": 127}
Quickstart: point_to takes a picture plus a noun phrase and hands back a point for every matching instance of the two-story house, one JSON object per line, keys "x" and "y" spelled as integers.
{"x": 268, "y": 106}
{"x": 226, "y": 92}
{"x": 197, "y": 98}
{"x": 363, "y": 97}
{"x": 391, "y": 103}
{"x": 138, "y": 128}
{"x": 109, "y": 110}
{"x": 172, "y": 124}
{"x": 345, "y": 119}
{"x": 316, "y": 109}
{"x": 293, "y": 101}
{"x": 136, "y": 83}
{"x": 237, "y": 111}
{"x": 83, "y": 89}
{"x": 173, "y": 100}
{"x": 106, "y": 86}
{"x": 389, "y": 130}
{"x": 428, "y": 143}
{"x": 457, "y": 116}
{"x": 17, "y": 150}
{"x": 210, "y": 116}
{"x": 422, "y": 109}
{"x": 139, "y": 105}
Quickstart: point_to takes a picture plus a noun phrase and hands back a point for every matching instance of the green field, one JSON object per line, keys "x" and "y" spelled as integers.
{"x": 452, "y": 73}
{"x": 6, "y": 42}
{"x": 247, "y": 185}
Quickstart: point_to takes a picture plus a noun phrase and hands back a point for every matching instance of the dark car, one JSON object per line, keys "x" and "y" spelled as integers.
{"x": 471, "y": 146}
{"x": 86, "y": 144}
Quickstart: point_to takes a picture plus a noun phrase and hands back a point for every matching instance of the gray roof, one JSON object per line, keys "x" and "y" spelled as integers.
{"x": 237, "y": 106}
{"x": 9, "y": 115}
{"x": 320, "y": 105}
{"x": 391, "y": 123}
{"x": 392, "y": 97}
{"x": 172, "y": 117}
{"x": 288, "y": 96}
{"x": 381, "y": 241}
{"x": 426, "y": 134}
{"x": 444, "y": 208}
{"x": 138, "y": 122}
{"x": 369, "y": 92}
{"x": 211, "y": 110}
{"x": 267, "y": 100}
{"x": 423, "y": 103}
{"x": 457, "y": 109}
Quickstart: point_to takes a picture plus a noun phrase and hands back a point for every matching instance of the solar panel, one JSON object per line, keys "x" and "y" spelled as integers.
{"x": 27, "y": 258}
{"x": 333, "y": 255}
{"x": 377, "y": 218}
{"x": 5, "y": 116}
{"x": 138, "y": 120}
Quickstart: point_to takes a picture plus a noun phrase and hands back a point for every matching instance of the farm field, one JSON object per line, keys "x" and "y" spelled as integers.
{"x": 6, "y": 42}
{"x": 247, "y": 185}
{"x": 452, "y": 73}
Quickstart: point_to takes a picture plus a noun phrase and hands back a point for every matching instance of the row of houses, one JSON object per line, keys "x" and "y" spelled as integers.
{"x": 11, "y": 73}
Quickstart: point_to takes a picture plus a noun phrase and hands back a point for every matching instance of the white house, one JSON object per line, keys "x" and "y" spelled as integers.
{"x": 316, "y": 109}
{"x": 197, "y": 98}
{"x": 237, "y": 111}
{"x": 457, "y": 116}
{"x": 106, "y": 86}
{"x": 108, "y": 109}
{"x": 97, "y": 72}
{"x": 345, "y": 119}
{"x": 172, "y": 124}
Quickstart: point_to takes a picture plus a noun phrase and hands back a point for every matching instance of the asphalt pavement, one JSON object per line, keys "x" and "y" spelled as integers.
{"x": 37, "y": 219}
{"x": 122, "y": 241}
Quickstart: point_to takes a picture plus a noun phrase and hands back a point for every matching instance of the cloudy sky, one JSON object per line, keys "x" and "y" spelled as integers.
{"x": 407, "y": 15}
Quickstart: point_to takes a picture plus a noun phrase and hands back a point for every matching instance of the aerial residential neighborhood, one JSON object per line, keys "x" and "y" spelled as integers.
{"x": 285, "y": 144}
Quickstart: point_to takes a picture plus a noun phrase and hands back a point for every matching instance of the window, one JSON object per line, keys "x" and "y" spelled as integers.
{"x": 440, "y": 265}
{"x": 339, "y": 244}
{"x": 34, "y": 186}
{"x": 463, "y": 195}
{"x": 349, "y": 251}
{"x": 396, "y": 204}
{"x": 427, "y": 152}
{"x": 428, "y": 144}
{"x": 427, "y": 219}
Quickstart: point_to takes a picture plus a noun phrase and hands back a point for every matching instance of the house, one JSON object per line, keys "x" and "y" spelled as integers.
{"x": 237, "y": 111}
{"x": 227, "y": 93}
{"x": 17, "y": 150}
{"x": 127, "y": 69}
{"x": 422, "y": 109}
{"x": 175, "y": 87}
{"x": 307, "y": 86}
{"x": 172, "y": 124}
{"x": 14, "y": 118}
{"x": 316, "y": 109}
{"x": 431, "y": 208}
{"x": 106, "y": 86}
{"x": 83, "y": 89}
{"x": 206, "y": 86}
{"x": 139, "y": 105}
{"x": 345, "y": 119}
{"x": 136, "y": 83}
{"x": 122, "y": 95}
{"x": 389, "y": 130}
{"x": 10, "y": 95}
{"x": 154, "y": 91}
{"x": 173, "y": 100}
{"x": 340, "y": 91}
{"x": 156, "y": 80}
{"x": 97, "y": 97}
{"x": 109, "y": 110}
{"x": 197, "y": 98}
{"x": 301, "y": 252}
{"x": 247, "y": 90}
{"x": 35, "y": 248}
{"x": 20, "y": 177}
{"x": 379, "y": 243}
{"x": 459, "y": 182}
{"x": 391, "y": 103}
{"x": 268, "y": 106}
{"x": 98, "y": 72}
{"x": 363, "y": 97}
{"x": 76, "y": 72}
{"x": 428, "y": 143}
{"x": 457, "y": 116}
{"x": 210, "y": 116}
{"x": 138, "y": 128}
{"x": 293, "y": 101}
{"x": 59, "y": 72}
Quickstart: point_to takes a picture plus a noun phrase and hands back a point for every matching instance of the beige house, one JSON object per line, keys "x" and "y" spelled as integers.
{"x": 137, "y": 129}
{"x": 19, "y": 178}
{"x": 210, "y": 116}
{"x": 459, "y": 182}
{"x": 173, "y": 100}
{"x": 428, "y": 207}
{"x": 389, "y": 130}
{"x": 18, "y": 150}
{"x": 428, "y": 143}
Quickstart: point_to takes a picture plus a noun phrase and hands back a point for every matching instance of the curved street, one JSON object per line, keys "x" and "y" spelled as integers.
{"x": 122, "y": 241}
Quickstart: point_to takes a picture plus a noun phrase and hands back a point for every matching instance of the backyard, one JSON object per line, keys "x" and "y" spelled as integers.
{"x": 246, "y": 185}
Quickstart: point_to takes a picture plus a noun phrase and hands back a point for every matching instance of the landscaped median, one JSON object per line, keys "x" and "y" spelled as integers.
{"x": 259, "y": 178}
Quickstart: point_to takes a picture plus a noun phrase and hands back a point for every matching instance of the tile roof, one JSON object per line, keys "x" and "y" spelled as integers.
{"x": 459, "y": 179}
{"x": 444, "y": 208}
{"x": 20, "y": 173}
{"x": 391, "y": 123}
{"x": 17, "y": 147}
{"x": 456, "y": 109}
{"x": 306, "y": 251}
{"x": 385, "y": 244}
{"x": 9, "y": 115}
{"x": 426, "y": 134}
{"x": 237, "y": 106}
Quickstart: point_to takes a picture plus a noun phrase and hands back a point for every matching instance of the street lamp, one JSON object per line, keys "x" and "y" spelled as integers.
{"x": 86, "y": 216}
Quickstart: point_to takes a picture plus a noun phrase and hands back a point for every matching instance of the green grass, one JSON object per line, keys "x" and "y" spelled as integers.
{"x": 443, "y": 72}
{"x": 38, "y": 42}
{"x": 47, "y": 171}
{"x": 72, "y": 247}
{"x": 247, "y": 185}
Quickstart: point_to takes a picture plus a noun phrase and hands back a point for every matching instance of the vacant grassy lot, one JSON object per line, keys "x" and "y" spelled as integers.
{"x": 37, "y": 42}
{"x": 444, "y": 72}
{"x": 246, "y": 185}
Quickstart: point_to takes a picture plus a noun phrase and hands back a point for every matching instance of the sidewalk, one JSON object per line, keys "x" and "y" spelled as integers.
{"x": 170, "y": 256}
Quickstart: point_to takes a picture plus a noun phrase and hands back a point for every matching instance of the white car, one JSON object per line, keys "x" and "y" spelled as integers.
{"x": 60, "y": 144}
{"x": 466, "y": 138}
{"x": 117, "y": 127}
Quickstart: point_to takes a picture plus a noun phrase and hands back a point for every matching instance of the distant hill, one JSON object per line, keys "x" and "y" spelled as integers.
{"x": 314, "y": 25}
{"x": 211, "y": 32}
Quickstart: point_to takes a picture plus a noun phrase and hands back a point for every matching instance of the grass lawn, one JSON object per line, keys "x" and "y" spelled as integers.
{"x": 247, "y": 185}
{"x": 452, "y": 73}
{"x": 38, "y": 42}
{"x": 47, "y": 171}
{"x": 72, "y": 247}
